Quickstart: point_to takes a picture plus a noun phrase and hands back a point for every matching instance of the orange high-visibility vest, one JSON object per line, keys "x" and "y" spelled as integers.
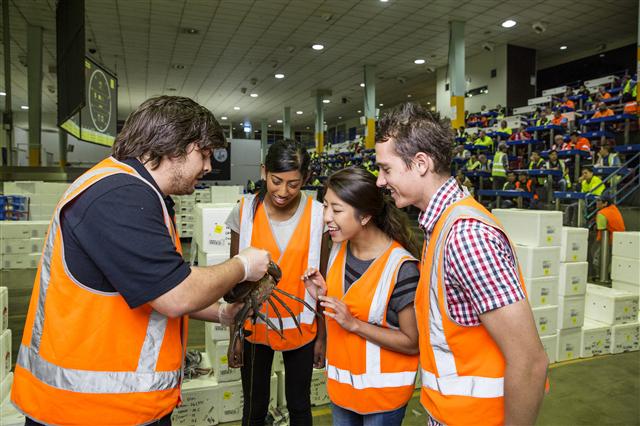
{"x": 462, "y": 366}
{"x": 362, "y": 376}
{"x": 302, "y": 252}
{"x": 86, "y": 357}
{"x": 615, "y": 222}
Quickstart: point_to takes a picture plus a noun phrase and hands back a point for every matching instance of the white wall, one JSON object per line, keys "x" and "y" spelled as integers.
{"x": 245, "y": 161}
{"x": 477, "y": 74}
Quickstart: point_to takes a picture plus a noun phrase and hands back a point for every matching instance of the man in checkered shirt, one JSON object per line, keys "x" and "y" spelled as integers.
{"x": 501, "y": 380}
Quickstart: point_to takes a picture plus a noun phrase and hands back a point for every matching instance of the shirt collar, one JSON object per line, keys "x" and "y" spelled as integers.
{"x": 144, "y": 173}
{"x": 446, "y": 195}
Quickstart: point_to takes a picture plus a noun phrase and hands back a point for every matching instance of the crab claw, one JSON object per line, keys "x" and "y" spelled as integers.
{"x": 275, "y": 271}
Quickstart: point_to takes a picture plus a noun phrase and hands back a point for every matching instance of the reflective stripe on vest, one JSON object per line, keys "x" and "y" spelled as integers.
{"x": 498, "y": 168}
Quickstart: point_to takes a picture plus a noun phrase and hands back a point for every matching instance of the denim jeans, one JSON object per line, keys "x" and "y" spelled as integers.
{"x": 344, "y": 417}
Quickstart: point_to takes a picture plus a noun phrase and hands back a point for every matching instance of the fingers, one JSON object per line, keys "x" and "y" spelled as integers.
{"x": 255, "y": 262}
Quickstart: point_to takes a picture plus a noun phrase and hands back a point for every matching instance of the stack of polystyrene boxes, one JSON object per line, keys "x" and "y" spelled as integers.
{"x": 537, "y": 238}
{"x": 21, "y": 243}
{"x": 43, "y": 196}
{"x": 625, "y": 262}
{"x": 200, "y": 401}
{"x": 185, "y": 210}
{"x": 9, "y": 416}
{"x": 617, "y": 310}
{"x": 225, "y": 194}
{"x": 212, "y": 236}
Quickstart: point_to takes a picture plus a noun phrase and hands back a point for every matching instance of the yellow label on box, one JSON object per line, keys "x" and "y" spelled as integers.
{"x": 218, "y": 229}
{"x": 574, "y": 320}
{"x": 224, "y": 359}
{"x": 575, "y": 287}
{"x": 575, "y": 257}
{"x": 626, "y": 309}
{"x": 549, "y": 239}
{"x": 628, "y": 337}
{"x": 599, "y": 343}
{"x": 546, "y": 271}
{"x": 543, "y": 327}
{"x": 569, "y": 354}
{"x": 227, "y": 395}
{"x": 543, "y": 299}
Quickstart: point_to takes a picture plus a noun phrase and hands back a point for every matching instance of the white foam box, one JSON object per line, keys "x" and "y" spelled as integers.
{"x": 214, "y": 332}
{"x": 538, "y": 261}
{"x": 19, "y": 261}
{"x": 45, "y": 198}
{"x": 610, "y": 306}
{"x": 625, "y": 337}
{"x": 542, "y": 291}
{"x": 203, "y": 195}
{"x": 629, "y": 288}
{"x": 546, "y": 318}
{"x": 217, "y": 354}
{"x": 185, "y": 218}
{"x": 5, "y": 353}
{"x": 535, "y": 228}
{"x": 9, "y": 415}
{"x": 626, "y": 244}
{"x": 4, "y": 308}
{"x": 200, "y": 403}
{"x": 21, "y": 245}
{"x": 273, "y": 391}
{"x": 23, "y": 229}
{"x": 570, "y": 311}
{"x": 568, "y": 344}
{"x": 550, "y": 345}
{"x": 573, "y": 278}
{"x": 278, "y": 362}
{"x": 39, "y": 209}
{"x": 208, "y": 259}
{"x": 573, "y": 244}
{"x": 226, "y": 194}
{"x": 282, "y": 397}
{"x": 210, "y": 231}
{"x": 230, "y": 401}
{"x": 319, "y": 395}
{"x": 595, "y": 339}
{"x": 5, "y": 387}
{"x": 625, "y": 269}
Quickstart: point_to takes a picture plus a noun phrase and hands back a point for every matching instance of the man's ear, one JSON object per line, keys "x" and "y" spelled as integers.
{"x": 423, "y": 163}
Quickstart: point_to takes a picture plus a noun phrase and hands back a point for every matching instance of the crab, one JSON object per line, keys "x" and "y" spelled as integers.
{"x": 254, "y": 294}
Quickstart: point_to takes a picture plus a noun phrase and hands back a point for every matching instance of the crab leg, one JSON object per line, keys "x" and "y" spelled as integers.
{"x": 296, "y": 298}
{"x": 270, "y": 324}
{"x": 284, "y": 305}
{"x": 277, "y": 314}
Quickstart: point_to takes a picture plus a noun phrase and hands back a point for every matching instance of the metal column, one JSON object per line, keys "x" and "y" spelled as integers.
{"x": 62, "y": 143}
{"x": 286, "y": 123}
{"x": 264, "y": 134}
{"x": 34, "y": 88}
{"x": 370, "y": 105}
{"x": 319, "y": 124}
{"x": 457, "y": 82}
{"x": 7, "y": 119}
{"x": 605, "y": 259}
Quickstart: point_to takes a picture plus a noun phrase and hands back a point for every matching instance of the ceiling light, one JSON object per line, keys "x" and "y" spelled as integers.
{"x": 339, "y": 117}
{"x": 428, "y": 103}
{"x": 563, "y": 47}
{"x": 361, "y": 84}
{"x": 189, "y": 31}
{"x": 178, "y": 66}
{"x": 299, "y": 112}
{"x": 384, "y": 1}
{"x": 254, "y": 95}
{"x": 380, "y": 104}
{"x": 279, "y": 121}
{"x": 326, "y": 101}
{"x": 24, "y": 107}
{"x": 3, "y": 94}
{"x": 509, "y": 23}
{"x": 408, "y": 96}
{"x": 237, "y": 108}
{"x": 223, "y": 118}
{"x": 359, "y": 111}
{"x": 269, "y": 125}
{"x": 308, "y": 128}
{"x": 419, "y": 61}
{"x": 279, "y": 75}
{"x": 317, "y": 47}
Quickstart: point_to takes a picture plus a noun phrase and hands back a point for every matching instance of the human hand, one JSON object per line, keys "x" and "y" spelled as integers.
{"x": 255, "y": 262}
{"x": 314, "y": 283}
{"x": 227, "y": 312}
{"x": 319, "y": 350}
{"x": 338, "y": 310}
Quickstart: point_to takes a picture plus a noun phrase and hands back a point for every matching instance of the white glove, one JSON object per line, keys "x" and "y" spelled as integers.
{"x": 255, "y": 262}
{"x": 227, "y": 312}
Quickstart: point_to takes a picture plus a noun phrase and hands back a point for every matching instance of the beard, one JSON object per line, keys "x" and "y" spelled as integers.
{"x": 180, "y": 185}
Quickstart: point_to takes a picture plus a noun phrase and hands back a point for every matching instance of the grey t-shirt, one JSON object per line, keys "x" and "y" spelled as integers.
{"x": 403, "y": 293}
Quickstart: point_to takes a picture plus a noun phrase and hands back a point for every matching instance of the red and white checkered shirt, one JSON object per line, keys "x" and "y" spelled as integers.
{"x": 480, "y": 269}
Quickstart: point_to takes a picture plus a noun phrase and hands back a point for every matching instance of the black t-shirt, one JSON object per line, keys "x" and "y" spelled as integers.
{"x": 116, "y": 240}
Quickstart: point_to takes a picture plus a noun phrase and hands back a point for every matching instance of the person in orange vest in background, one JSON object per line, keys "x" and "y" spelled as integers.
{"x": 608, "y": 216}
{"x": 481, "y": 358}
{"x": 602, "y": 94}
{"x": 603, "y": 111}
{"x": 106, "y": 330}
{"x": 372, "y": 335}
{"x": 559, "y": 119}
{"x": 580, "y": 142}
{"x": 284, "y": 221}
{"x": 568, "y": 103}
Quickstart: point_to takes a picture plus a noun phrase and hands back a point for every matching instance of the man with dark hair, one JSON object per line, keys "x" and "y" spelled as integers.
{"x": 481, "y": 358}
{"x": 106, "y": 331}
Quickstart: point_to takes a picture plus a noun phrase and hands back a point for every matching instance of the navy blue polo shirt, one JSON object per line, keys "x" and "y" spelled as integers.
{"x": 115, "y": 239}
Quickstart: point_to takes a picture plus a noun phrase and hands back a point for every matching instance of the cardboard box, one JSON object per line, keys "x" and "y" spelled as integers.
{"x": 20, "y": 261}
{"x": 535, "y": 228}
{"x": 573, "y": 245}
{"x": 546, "y": 318}
{"x": 319, "y": 395}
{"x": 23, "y": 229}
{"x": 21, "y": 245}
{"x": 595, "y": 339}
{"x": 568, "y": 344}
{"x": 200, "y": 403}
{"x": 208, "y": 259}
{"x": 625, "y": 337}
{"x": 4, "y": 308}
{"x": 5, "y": 353}
{"x": 626, "y": 244}
{"x": 625, "y": 269}
{"x": 542, "y": 291}
{"x": 629, "y": 288}
{"x": 570, "y": 311}
{"x": 217, "y": 354}
{"x": 573, "y": 278}
{"x": 210, "y": 231}
{"x": 230, "y": 401}
{"x": 538, "y": 261}
{"x": 550, "y": 345}
{"x": 610, "y": 306}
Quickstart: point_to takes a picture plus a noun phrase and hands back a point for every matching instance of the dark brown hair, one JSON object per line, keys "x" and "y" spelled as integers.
{"x": 165, "y": 126}
{"x": 357, "y": 187}
{"x": 415, "y": 129}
